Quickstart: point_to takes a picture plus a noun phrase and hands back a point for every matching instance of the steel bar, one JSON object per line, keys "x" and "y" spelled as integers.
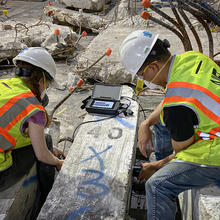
{"x": 188, "y": 22}
{"x": 183, "y": 30}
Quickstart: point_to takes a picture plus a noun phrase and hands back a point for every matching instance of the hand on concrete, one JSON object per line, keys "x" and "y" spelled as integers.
{"x": 144, "y": 138}
{"x": 148, "y": 169}
{"x": 58, "y": 153}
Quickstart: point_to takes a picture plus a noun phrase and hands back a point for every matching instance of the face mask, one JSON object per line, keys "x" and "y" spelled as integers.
{"x": 44, "y": 93}
{"x": 45, "y": 100}
{"x": 149, "y": 85}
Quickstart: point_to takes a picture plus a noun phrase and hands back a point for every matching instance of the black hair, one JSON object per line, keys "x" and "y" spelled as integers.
{"x": 159, "y": 52}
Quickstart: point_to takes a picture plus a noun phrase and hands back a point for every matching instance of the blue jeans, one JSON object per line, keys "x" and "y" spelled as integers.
{"x": 162, "y": 142}
{"x": 167, "y": 183}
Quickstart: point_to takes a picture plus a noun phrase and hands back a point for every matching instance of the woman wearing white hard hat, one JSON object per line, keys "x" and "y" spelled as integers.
{"x": 23, "y": 118}
{"x": 191, "y": 113}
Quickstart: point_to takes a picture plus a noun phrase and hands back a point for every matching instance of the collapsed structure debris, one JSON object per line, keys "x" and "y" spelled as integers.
{"x": 199, "y": 9}
{"x": 76, "y": 19}
{"x": 93, "y": 5}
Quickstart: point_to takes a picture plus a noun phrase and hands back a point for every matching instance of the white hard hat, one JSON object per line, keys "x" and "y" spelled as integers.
{"x": 38, "y": 57}
{"x": 135, "y": 49}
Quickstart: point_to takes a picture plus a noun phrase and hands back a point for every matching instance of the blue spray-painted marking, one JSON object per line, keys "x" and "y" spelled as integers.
{"x": 92, "y": 182}
{"x": 122, "y": 121}
{"x": 125, "y": 123}
{"x": 98, "y": 157}
{"x": 79, "y": 211}
{"x": 101, "y": 175}
{"x": 32, "y": 179}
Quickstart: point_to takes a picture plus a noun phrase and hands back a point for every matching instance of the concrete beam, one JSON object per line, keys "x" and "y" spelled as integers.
{"x": 76, "y": 19}
{"x": 95, "y": 180}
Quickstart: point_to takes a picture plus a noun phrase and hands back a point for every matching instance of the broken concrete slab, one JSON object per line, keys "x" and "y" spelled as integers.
{"x": 19, "y": 35}
{"x": 200, "y": 204}
{"x": 61, "y": 46}
{"x": 109, "y": 69}
{"x": 93, "y": 5}
{"x": 76, "y": 19}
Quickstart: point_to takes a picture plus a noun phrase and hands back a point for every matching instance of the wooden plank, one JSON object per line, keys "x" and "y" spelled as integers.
{"x": 94, "y": 182}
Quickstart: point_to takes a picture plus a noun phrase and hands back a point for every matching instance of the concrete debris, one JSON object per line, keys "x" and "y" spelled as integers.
{"x": 76, "y": 19}
{"x": 16, "y": 36}
{"x": 61, "y": 46}
{"x": 6, "y": 27}
{"x": 109, "y": 69}
{"x": 123, "y": 11}
{"x": 94, "y": 5}
{"x": 8, "y": 50}
{"x": 72, "y": 80}
{"x": 136, "y": 21}
{"x": 54, "y": 131}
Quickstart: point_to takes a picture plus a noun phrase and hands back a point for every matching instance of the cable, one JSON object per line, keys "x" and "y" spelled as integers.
{"x": 86, "y": 122}
{"x": 142, "y": 109}
{"x": 128, "y": 99}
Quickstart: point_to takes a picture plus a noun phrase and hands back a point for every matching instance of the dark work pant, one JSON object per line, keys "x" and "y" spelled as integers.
{"x": 46, "y": 173}
{"x": 23, "y": 160}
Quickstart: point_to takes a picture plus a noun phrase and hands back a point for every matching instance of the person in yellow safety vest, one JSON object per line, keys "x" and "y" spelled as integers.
{"x": 23, "y": 118}
{"x": 191, "y": 113}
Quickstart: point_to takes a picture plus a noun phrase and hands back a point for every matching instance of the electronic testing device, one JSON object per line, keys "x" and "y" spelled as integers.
{"x": 105, "y": 99}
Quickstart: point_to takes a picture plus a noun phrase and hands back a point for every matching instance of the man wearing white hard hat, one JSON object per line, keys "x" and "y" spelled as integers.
{"x": 133, "y": 52}
{"x": 191, "y": 113}
{"x": 23, "y": 118}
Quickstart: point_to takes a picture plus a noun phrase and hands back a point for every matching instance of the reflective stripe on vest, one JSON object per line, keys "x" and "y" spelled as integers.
{"x": 6, "y": 140}
{"x": 11, "y": 114}
{"x": 206, "y": 136}
{"x": 215, "y": 131}
{"x": 206, "y": 101}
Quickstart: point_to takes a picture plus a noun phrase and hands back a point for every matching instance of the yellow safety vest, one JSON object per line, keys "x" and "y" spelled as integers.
{"x": 17, "y": 104}
{"x": 194, "y": 82}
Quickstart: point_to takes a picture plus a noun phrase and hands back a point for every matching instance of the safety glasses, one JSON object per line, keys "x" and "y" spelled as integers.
{"x": 145, "y": 69}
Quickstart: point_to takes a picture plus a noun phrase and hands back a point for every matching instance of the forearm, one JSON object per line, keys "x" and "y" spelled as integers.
{"x": 46, "y": 156}
{"x": 154, "y": 117}
{"x": 181, "y": 145}
{"x": 161, "y": 163}
{"x": 38, "y": 141}
{"x": 177, "y": 146}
